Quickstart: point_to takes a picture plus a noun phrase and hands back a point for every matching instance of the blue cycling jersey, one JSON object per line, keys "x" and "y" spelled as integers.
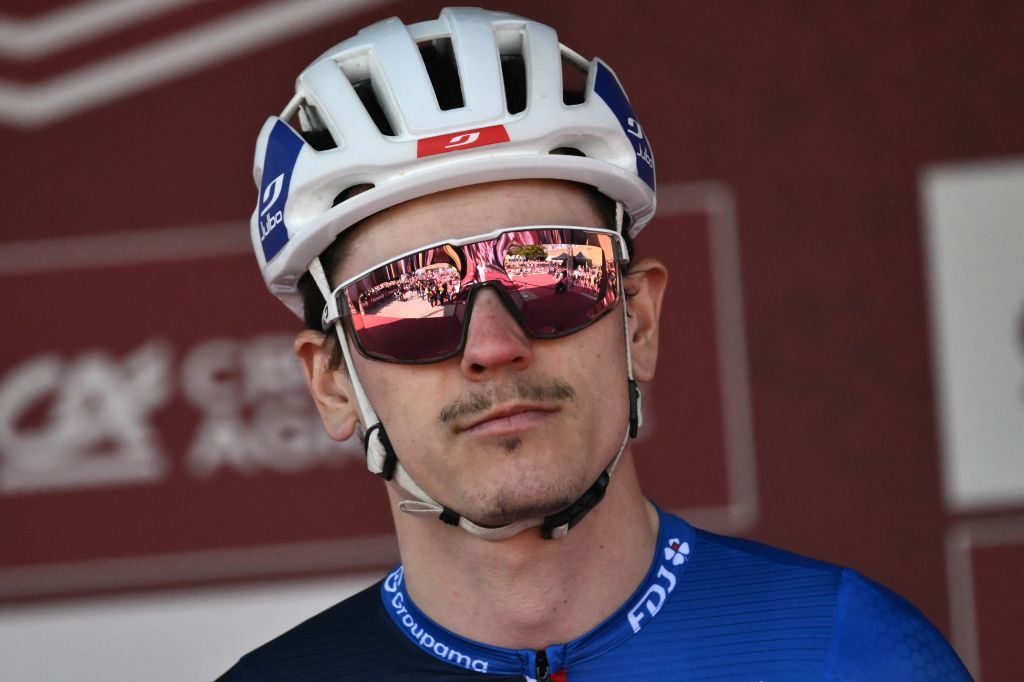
{"x": 710, "y": 608}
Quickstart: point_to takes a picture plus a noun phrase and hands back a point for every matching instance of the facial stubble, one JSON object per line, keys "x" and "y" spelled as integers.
{"x": 523, "y": 497}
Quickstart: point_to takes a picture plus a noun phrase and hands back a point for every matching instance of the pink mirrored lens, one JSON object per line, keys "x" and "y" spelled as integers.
{"x": 413, "y": 309}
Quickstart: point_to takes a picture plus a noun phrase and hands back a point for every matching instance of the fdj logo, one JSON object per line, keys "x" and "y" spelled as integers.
{"x": 267, "y": 202}
{"x": 654, "y": 598}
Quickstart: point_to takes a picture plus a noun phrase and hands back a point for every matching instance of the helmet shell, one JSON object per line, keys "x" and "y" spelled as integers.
{"x": 422, "y": 148}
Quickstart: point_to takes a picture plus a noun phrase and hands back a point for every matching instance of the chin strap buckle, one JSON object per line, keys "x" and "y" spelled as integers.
{"x": 556, "y": 526}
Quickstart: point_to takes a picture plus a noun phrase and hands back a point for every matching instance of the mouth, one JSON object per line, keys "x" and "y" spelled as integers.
{"x": 507, "y": 420}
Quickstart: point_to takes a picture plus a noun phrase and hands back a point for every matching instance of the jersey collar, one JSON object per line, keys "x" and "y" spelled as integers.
{"x": 671, "y": 556}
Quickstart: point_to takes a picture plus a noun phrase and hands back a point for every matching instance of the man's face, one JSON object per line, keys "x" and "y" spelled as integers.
{"x": 513, "y": 427}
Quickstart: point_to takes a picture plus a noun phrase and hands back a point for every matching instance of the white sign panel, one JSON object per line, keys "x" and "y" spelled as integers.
{"x": 974, "y": 229}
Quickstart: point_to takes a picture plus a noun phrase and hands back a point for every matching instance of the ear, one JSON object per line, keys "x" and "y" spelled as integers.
{"x": 331, "y": 390}
{"x": 646, "y": 283}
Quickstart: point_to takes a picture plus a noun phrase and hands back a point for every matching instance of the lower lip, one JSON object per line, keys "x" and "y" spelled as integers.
{"x": 503, "y": 426}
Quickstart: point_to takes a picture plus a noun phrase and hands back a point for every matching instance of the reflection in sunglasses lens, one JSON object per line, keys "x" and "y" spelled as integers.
{"x": 562, "y": 286}
{"x": 413, "y": 309}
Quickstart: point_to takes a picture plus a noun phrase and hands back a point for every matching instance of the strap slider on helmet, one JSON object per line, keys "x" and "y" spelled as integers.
{"x": 635, "y": 413}
{"x": 387, "y": 467}
{"x": 449, "y": 516}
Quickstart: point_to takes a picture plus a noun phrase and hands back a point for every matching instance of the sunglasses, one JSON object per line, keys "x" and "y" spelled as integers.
{"x": 415, "y": 309}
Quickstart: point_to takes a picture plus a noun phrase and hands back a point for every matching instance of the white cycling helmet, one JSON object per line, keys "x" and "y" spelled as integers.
{"x": 474, "y": 96}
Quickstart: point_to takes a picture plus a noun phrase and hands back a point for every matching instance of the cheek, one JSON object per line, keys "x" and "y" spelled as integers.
{"x": 597, "y": 364}
{"x": 392, "y": 391}
{"x": 406, "y": 398}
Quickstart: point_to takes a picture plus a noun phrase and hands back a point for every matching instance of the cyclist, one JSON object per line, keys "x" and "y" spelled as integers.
{"x": 463, "y": 154}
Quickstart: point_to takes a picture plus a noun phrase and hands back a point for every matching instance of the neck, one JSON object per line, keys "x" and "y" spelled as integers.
{"x": 527, "y": 592}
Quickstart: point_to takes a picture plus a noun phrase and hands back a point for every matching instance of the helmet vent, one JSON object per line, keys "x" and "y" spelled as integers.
{"x": 574, "y": 80}
{"x": 513, "y": 73}
{"x": 368, "y": 96}
{"x": 350, "y": 192}
{"x": 439, "y": 58}
{"x": 308, "y": 122}
{"x": 510, "y": 40}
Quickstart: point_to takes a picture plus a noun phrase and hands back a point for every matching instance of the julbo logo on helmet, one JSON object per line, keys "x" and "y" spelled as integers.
{"x": 467, "y": 139}
{"x": 607, "y": 86}
{"x": 283, "y": 149}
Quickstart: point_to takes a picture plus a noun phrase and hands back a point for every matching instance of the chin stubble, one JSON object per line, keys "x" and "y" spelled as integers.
{"x": 510, "y": 504}
{"x": 521, "y": 499}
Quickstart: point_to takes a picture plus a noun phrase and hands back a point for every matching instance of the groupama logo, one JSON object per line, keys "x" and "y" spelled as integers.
{"x": 431, "y": 640}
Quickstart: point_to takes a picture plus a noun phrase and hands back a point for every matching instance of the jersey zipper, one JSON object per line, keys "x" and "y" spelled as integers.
{"x": 543, "y": 671}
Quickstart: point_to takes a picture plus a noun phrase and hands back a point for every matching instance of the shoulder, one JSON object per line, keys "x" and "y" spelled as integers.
{"x": 867, "y": 631}
{"x": 768, "y": 567}
{"x": 881, "y": 634}
{"x": 329, "y": 641}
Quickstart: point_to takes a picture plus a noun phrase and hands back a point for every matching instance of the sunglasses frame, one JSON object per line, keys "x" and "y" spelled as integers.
{"x": 345, "y": 312}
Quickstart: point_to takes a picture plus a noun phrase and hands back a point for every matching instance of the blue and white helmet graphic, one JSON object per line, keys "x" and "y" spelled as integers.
{"x": 474, "y": 96}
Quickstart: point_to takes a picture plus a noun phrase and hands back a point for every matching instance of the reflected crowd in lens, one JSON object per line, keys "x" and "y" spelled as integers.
{"x": 553, "y": 281}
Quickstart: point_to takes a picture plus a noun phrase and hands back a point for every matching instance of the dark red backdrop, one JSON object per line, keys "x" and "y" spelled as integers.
{"x": 815, "y": 121}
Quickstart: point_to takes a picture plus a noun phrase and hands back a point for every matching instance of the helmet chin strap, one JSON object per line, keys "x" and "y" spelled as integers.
{"x": 382, "y": 460}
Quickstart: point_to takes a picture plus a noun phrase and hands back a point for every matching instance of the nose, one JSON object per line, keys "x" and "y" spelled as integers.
{"x": 494, "y": 340}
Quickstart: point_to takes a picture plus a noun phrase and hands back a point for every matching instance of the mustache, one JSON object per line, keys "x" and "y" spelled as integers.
{"x": 478, "y": 402}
